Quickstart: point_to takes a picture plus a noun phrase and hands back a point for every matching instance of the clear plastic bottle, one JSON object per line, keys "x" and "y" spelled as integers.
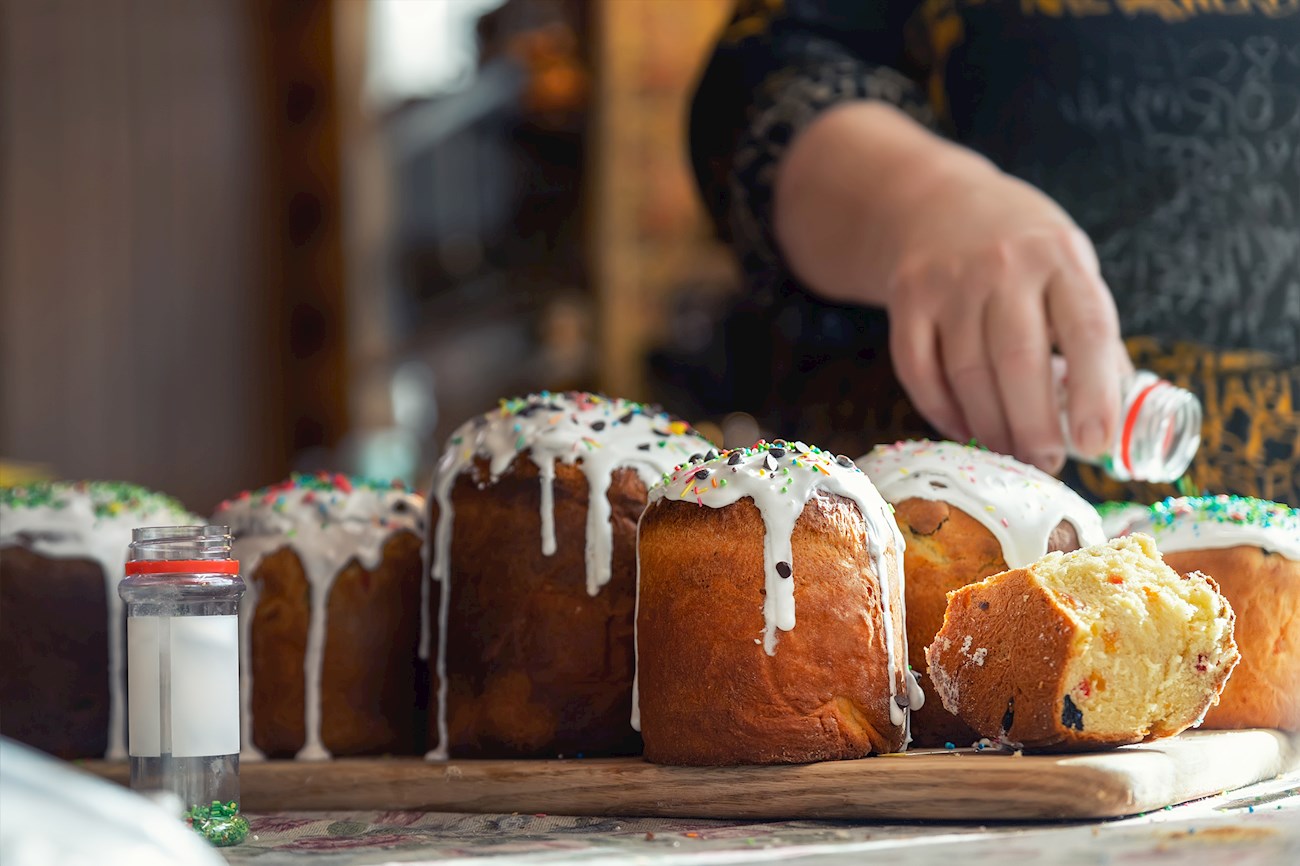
{"x": 1157, "y": 435}
{"x": 181, "y": 594}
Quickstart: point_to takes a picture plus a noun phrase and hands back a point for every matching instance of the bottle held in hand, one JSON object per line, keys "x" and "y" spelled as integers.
{"x": 1157, "y": 435}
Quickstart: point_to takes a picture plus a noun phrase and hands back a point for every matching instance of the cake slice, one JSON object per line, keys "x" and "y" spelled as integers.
{"x": 1095, "y": 648}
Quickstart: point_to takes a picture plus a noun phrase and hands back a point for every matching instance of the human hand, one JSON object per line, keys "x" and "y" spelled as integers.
{"x": 983, "y": 277}
{"x": 990, "y": 277}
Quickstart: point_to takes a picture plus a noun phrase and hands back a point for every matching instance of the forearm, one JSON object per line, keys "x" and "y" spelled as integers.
{"x": 841, "y": 189}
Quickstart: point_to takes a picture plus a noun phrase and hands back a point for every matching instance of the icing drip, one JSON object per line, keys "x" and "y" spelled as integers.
{"x": 1215, "y": 522}
{"x": 780, "y": 479}
{"x": 1018, "y": 503}
{"x": 546, "y": 471}
{"x": 90, "y": 520}
{"x": 328, "y": 521}
{"x": 599, "y": 434}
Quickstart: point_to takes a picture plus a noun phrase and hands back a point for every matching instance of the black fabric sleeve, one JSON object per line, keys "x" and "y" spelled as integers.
{"x": 776, "y": 67}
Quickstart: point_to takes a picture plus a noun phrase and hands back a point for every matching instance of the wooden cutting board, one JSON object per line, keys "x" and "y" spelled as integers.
{"x": 922, "y": 785}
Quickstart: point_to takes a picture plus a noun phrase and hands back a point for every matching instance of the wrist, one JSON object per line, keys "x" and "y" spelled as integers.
{"x": 851, "y": 190}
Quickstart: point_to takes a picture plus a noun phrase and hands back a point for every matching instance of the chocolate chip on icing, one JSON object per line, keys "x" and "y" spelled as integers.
{"x": 597, "y": 426}
{"x": 702, "y": 474}
{"x": 710, "y": 455}
{"x": 843, "y": 461}
{"x": 734, "y": 458}
{"x": 643, "y": 447}
{"x": 769, "y": 462}
{"x": 903, "y": 700}
{"x": 777, "y": 452}
{"x": 783, "y": 569}
{"x": 695, "y": 458}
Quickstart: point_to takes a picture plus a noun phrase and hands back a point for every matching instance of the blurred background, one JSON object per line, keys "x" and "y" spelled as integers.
{"x": 243, "y": 237}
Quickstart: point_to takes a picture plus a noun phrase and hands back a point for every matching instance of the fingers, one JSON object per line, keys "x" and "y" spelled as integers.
{"x": 914, "y": 346}
{"x": 971, "y": 375}
{"x": 1019, "y": 344}
{"x": 1087, "y": 328}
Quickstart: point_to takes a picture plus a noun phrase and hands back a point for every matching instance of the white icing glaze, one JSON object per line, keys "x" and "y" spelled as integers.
{"x": 1018, "y": 503}
{"x": 93, "y": 520}
{"x": 327, "y": 521}
{"x": 598, "y": 434}
{"x": 1117, "y": 518}
{"x": 780, "y": 479}
{"x": 1217, "y": 522}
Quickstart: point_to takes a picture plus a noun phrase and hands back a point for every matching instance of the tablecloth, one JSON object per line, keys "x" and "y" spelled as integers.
{"x": 1255, "y": 826}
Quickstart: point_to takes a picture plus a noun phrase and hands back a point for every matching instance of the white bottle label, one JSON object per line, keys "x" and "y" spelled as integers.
{"x": 183, "y": 685}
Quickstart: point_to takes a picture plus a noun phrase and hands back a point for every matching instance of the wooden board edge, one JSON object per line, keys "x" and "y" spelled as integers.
{"x": 1061, "y": 787}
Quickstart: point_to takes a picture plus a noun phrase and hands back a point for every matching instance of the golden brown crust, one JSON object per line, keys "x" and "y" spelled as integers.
{"x": 372, "y": 655}
{"x": 709, "y": 694}
{"x": 1014, "y": 691}
{"x": 369, "y": 669}
{"x": 1000, "y": 659}
{"x": 1264, "y": 591}
{"x": 946, "y": 550}
{"x": 536, "y": 666}
{"x": 54, "y": 690}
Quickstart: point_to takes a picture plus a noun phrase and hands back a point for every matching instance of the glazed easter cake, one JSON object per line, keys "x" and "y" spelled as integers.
{"x": 330, "y": 622}
{"x": 1252, "y": 548}
{"x": 770, "y": 612}
{"x": 967, "y": 513}
{"x": 535, "y": 505}
{"x": 62, "y": 552}
{"x": 1099, "y": 647}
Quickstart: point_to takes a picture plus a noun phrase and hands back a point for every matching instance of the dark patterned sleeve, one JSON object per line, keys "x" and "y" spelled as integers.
{"x": 776, "y": 68}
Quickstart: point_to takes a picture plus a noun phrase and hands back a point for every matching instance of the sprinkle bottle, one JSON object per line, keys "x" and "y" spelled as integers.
{"x": 181, "y": 594}
{"x": 1157, "y": 435}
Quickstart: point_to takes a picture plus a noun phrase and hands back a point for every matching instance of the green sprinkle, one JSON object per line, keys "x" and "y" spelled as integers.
{"x": 1106, "y": 509}
{"x": 221, "y": 824}
{"x": 1240, "y": 510}
{"x": 107, "y": 498}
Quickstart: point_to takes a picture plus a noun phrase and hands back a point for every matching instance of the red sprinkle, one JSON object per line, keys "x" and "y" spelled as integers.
{"x": 1115, "y": 578}
{"x": 342, "y": 483}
